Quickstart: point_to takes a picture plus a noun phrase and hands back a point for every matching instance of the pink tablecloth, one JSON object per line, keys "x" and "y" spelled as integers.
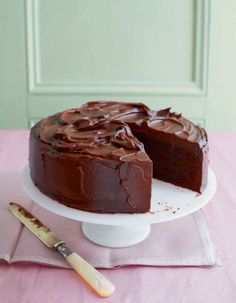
{"x": 33, "y": 283}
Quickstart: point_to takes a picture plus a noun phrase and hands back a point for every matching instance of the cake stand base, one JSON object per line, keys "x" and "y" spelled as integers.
{"x": 115, "y": 236}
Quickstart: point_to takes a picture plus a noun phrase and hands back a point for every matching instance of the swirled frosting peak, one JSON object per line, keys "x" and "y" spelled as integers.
{"x": 137, "y": 113}
{"x": 100, "y": 128}
{"x": 173, "y": 123}
{"x": 90, "y": 132}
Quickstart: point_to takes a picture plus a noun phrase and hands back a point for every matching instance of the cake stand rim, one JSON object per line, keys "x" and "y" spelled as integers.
{"x": 113, "y": 219}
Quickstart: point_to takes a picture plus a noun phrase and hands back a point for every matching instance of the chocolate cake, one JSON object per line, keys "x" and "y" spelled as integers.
{"x": 102, "y": 156}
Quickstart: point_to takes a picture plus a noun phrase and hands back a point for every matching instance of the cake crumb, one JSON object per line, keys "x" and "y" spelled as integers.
{"x": 168, "y": 208}
{"x": 152, "y": 212}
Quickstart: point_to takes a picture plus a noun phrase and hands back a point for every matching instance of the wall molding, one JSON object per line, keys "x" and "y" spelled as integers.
{"x": 196, "y": 87}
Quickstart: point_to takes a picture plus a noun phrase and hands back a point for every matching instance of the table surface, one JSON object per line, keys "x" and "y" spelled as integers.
{"x": 33, "y": 283}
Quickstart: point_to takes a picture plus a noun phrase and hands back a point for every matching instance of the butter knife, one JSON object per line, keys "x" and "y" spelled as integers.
{"x": 95, "y": 279}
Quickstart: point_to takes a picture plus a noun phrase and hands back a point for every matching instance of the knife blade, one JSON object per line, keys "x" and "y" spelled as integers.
{"x": 94, "y": 278}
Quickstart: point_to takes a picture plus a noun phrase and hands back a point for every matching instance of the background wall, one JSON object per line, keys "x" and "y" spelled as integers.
{"x": 60, "y": 54}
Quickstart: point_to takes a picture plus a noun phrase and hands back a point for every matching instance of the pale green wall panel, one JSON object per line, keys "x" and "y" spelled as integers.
{"x": 13, "y": 82}
{"x": 114, "y": 41}
{"x": 61, "y": 54}
{"x": 118, "y": 47}
{"x": 221, "y": 104}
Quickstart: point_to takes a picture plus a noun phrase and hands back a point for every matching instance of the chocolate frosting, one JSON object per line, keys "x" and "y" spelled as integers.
{"x": 172, "y": 123}
{"x": 68, "y": 132}
{"x": 99, "y": 128}
{"x": 138, "y": 113}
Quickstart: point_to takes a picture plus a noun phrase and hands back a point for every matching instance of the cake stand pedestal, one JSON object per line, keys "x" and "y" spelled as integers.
{"x": 168, "y": 202}
{"x": 115, "y": 235}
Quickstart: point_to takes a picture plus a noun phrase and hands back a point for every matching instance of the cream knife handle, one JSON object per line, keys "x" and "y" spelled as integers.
{"x": 94, "y": 278}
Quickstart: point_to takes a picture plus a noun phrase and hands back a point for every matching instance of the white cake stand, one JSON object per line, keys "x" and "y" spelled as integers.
{"x": 168, "y": 202}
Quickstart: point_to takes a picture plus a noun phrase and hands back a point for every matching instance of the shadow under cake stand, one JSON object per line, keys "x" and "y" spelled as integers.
{"x": 168, "y": 202}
